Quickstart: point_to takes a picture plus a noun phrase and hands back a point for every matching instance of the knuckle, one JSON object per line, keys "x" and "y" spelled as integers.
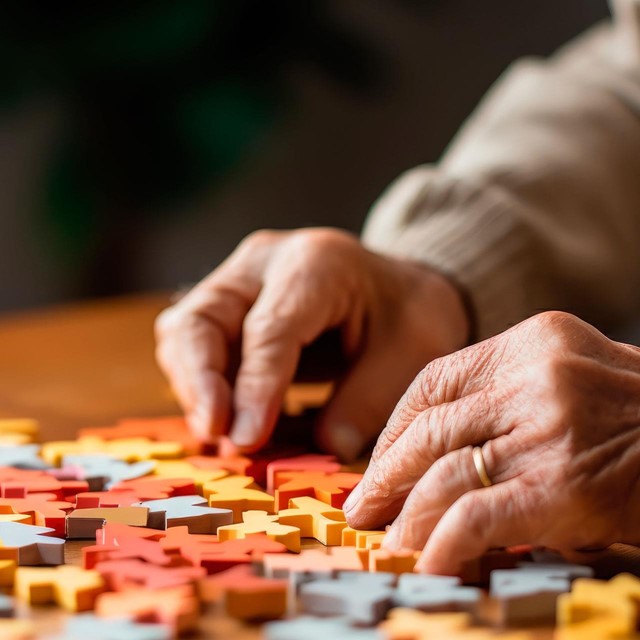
{"x": 258, "y": 239}
{"x": 165, "y": 322}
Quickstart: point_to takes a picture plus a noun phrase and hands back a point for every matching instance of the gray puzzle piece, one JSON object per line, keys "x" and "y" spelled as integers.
{"x": 435, "y": 593}
{"x": 34, "y": 546}
{"x": 362, "y": 598}
{"x": 90, "y": 626}
{"x": 7, "y": 606}
{"x": 23, "y": 456}
{"x": 113, "y": 470}
{"x": 186, "y": 511}
{"x": 309, "y": 628}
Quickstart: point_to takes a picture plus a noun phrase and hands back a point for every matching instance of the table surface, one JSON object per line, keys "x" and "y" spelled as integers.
{"x": 92, "y": 363}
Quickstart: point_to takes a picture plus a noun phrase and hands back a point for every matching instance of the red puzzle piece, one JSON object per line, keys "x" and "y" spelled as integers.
{"x": 309, "y": 462}
{"x": 43, "y": 508}
{"x": 121, "y": 575}
{"x": 332, "y": 488}
{"x": 113, "y": 533}
{"x": 150, "y": 551}
{"x": 16, "y": 483}
{"x": 157, "y": 488}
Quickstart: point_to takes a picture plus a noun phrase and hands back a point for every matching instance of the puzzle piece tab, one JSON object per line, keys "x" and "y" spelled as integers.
{"x": 186, "y": 511}
{"x": 261, "y": 522}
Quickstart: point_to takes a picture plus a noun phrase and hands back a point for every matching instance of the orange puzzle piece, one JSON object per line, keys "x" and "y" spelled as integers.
{"x": 246, "y": 595}
{"x": 330, "y": 488}
{"x": 177, "y": 607}
{"x": 308, "y": 462}
{"x": 261, "y": 522}
{"x": 125, "y": 574}
{"x": 43, "y": 508}
{"x": 150, "y": 551}
{"x": 311, "y": 561}
{"x": 238, "y": 493}
{"x": 70, "y": 587}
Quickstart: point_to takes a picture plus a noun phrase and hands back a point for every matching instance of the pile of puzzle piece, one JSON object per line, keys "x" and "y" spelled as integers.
{"x": 173, "y": 534}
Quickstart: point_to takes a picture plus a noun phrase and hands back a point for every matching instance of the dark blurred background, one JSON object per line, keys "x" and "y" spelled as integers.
{"x": 140, "y": 141}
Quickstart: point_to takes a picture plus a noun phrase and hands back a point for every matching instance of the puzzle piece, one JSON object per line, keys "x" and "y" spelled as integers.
{"x": 311, "y": 564}
{"x": 109, "y": 469}
{"x": 311, "y": 628}
{"x": 315, "y": 519}
{"x": 527, "y": 595}
{"x": 43, "y": 509}
{"x": 29, "y": 545}
{"x": 177, "y": 608}
{"x": 7, "y": 606}
{"x": 184, "y": 469}
{"x": 402, "y": 561}
{"x": 70, "y": 587}
{"x": 236, "y": 465}
{"x": 90, "y": 626}
{"x": 25, "y": 456}
{"x": 17, "y": 630}
{"x": 127, "y": 449}
{"x": 617, "y": 602}
{"x": 157, "y": 488}
{"x": 302, "y": 396}
{"x": 177, "y": 542}
{"x": 359, "y": 538}
{"x": 186, "y": 511}
{"x": 150, "y": 551}
{"x": 307, "y": 462}
{"x": 125, "y": 574}
{"x": 330, "y": 488}
{"x": 245, "y": 595}
{"x": 435, "y": 594}
{"x": 113, "y": 533}
{"x": 363, "y": 598}
{"x": 261, "y": 522}
{"x": 478, "y": 571}
{"x": 25, "y": 427}
{"x": 83, "y": 523}
{"x": 7, "y": 571}
{"x": 170, "y": 428}
{"x": 17, "y": 483}
{"x": 238, "y": 493}
{"x": 409, "y": 624}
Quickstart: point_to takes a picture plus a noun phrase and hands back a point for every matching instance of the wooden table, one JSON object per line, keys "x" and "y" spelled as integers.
{"x": 91, "y": 364}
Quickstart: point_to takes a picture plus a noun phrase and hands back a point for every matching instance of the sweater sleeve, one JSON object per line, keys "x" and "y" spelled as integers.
{"x": 536, "y": 203}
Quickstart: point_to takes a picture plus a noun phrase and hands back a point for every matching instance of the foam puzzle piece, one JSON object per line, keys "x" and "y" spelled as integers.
{"x": 359, "y": 537}
{"x": 245, "y": 595}
{"x": 113, "y": 533}
{"x": 527, "y": 595}
{"x": 330, "y": 488}
{"x": 186, "y": 511}
{"x": 17, "y": 483}
{"x": 219, "y": 556}
{"x": 109, "y": 468}
{"x": 302, "y": 396}
{"x": 478, "y": 571}
{"x": 234, "y": 465}
{"x": 261, "y": 522}
{"x": 150, "y": 551}
{"x": 311, "y": 628}
{"x": 363, "y": 598}
{"x": 171, "y": 428}
{"x": 17, "y": 630}
{"x": 184, "y": 469}
{"x": 617, "y": 601}
{"x": 127, "y": 449}
{"x": 315, "y": 519}
{"x": 70, "y": 587}
{"x": 238, "y": 493}
{"x": 177, "y": 608}
{"x": 178, "y": 542}
{"x": 83, "y": 523}
{"x": 122, "y": 575}
{"x": 157, "y": 488}
{"x": 7, "y": 606}
{"x": 87, "y": 625}
{"x": 402, "y": 561}
{"x": 15, "y": 517}
{"x": 30, "y": 545}
{"x": 308, "y": 462}
{"x": 409, "y": 624}
{"x": 436, "y": 594}
{"x": 311, "y": 564}
{"x": 43, "y": 508}
{"x": 25, "y": 456}
{"x": 7, "y": 572}
{"x": 22, "y": 426}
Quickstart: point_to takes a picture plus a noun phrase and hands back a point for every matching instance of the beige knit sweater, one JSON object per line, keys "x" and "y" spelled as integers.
{"x": 536, "y": 203}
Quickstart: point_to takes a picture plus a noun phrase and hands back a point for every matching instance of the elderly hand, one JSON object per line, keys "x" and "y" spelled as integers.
{"x": 277, "y": 293}
{"x": 554, "y": 406}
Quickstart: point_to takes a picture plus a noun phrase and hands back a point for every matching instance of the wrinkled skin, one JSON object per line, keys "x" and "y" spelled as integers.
{"x": 554, "y": 405}
{"x": 276, "y": 294}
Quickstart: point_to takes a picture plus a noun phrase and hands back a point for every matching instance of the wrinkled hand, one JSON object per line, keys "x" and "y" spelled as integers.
{"x": 276, "y": 294}
{"x": 554, "y": 405}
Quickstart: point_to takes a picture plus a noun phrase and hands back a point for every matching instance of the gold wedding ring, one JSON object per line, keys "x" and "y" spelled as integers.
{"x": 478, "y": 461}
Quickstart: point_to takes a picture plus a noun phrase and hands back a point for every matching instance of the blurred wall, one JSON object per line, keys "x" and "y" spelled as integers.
{"x": 358, "y": 91}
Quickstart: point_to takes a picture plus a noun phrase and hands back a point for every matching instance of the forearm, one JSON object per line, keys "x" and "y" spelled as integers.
{"x": 535, "y": 204}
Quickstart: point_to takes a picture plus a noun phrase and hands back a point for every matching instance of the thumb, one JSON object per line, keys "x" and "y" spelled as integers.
{"x": 362, "y": 402}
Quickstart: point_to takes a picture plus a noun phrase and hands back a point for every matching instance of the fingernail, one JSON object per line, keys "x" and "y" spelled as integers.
{"x": 353, "y": 498}
{"x": 243, "y": 433}
{"x": 346, "y": 441}
{"x": 200, "y": 423}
